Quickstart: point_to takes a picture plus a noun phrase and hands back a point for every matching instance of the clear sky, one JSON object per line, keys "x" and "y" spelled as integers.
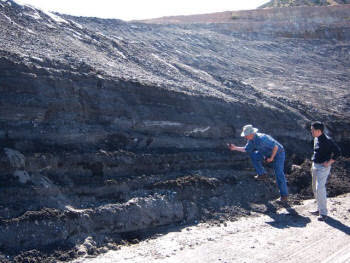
{"x": 141, "y": 9}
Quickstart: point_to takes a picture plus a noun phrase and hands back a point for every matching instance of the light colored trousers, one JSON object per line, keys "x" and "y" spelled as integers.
{"x": 319, "y": 180}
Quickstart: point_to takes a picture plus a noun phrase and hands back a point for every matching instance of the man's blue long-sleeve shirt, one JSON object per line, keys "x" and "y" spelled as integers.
{"x": 264, "y": 144}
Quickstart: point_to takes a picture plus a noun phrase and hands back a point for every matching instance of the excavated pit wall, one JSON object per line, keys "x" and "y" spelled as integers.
{"x": 84, "y": 158}
{"x": 88, "y": 154}
{"x": 95, "y": 164}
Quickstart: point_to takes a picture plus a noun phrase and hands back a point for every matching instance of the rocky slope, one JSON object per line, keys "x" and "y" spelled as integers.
{"x": 109, "y": 127}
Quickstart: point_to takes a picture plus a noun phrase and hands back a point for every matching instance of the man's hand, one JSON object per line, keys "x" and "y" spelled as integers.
{"x": 328, "y": 163}
{"x": 269, "y": 160}
{"x": 231, "y": 146}
{"x": 272, "y": 157}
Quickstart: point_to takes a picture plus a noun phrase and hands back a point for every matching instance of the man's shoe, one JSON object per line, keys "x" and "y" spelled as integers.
{"x": 322, "y": 218}
{"x": 315, "y": 213}
{"x": 284, "y": 198}
{"x": 262, "y": 177}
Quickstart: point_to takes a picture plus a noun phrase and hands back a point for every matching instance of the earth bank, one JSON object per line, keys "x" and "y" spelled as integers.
{"x": 112, "y": 131}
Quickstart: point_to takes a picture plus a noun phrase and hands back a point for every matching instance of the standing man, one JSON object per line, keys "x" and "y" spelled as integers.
{"x": 262, "y": 147}
{"x": 325, "y": 153}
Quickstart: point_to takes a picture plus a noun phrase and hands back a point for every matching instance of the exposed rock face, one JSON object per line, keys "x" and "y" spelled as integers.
{"x": 110, "y": 127}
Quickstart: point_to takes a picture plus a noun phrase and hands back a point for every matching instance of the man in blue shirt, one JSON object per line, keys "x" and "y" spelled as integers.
{"x": 262, "y": 147}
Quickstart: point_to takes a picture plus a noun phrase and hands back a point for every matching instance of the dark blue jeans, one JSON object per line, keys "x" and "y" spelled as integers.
{"x": 278, "y": 166}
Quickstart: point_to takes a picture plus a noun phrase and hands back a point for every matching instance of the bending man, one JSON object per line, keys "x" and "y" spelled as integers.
{"x": 262, "y": 147}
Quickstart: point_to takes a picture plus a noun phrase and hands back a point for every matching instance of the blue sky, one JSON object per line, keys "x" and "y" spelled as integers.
{"x": 141, "y": 9}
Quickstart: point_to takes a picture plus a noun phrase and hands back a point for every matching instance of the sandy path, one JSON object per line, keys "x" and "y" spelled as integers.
{"x": 290, "y": 235}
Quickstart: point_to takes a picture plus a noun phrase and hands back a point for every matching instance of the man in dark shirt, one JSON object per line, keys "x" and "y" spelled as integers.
{"x": 325, "y": 153}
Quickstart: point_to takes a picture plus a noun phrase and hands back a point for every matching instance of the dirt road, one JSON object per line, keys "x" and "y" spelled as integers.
{"x": 289, "y": 234}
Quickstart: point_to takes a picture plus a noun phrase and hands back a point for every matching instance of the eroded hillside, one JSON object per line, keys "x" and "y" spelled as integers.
{"x": 111, "y": 128}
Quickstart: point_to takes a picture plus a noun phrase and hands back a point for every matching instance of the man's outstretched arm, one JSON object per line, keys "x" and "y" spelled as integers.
{"x": 233, "y": 147}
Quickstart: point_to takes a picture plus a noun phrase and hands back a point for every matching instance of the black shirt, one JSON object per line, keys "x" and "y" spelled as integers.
{"x": 324, "y": 149}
